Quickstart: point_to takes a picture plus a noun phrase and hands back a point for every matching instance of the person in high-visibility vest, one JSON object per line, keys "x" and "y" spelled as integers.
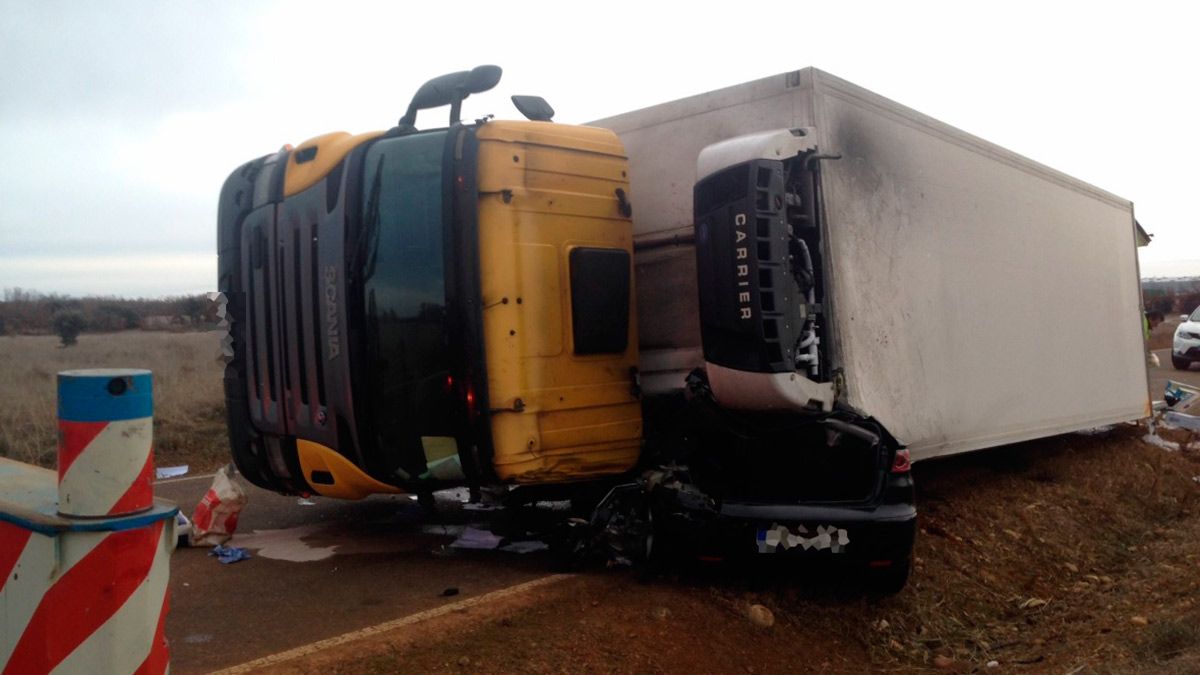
{"x": 1149, "y": 321}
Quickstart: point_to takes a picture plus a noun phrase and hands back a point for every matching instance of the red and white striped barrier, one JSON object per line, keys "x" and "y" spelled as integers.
{"x": 105, "y": 442}
{"x": 85, "y": 553}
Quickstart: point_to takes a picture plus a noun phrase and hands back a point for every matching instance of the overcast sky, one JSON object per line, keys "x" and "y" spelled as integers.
{"x": 120, "y": 120}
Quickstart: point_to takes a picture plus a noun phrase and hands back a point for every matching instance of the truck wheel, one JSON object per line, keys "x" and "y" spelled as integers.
{"x": 887, "y": 580}
{"x": 1180, "y": 364}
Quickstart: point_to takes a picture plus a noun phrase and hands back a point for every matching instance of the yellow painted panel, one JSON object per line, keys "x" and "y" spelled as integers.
{"x": 589, "y": 139}
{"x": 540, "y": 299}
{"x": 331, "y": 149}
{"x": 546, "y": 189}
{"x": 349, "y": 482}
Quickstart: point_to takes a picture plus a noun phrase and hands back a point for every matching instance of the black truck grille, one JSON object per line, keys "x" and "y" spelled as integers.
{"x": 286, "y": 369}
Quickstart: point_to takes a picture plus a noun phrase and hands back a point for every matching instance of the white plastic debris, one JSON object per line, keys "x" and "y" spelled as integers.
{"x": 477, "y": 539}
{"x": 479, "y": 506}
{"x": 183, "y": 529}
{"x": 170, "y": 471}
{"x": 1156, "y": 440}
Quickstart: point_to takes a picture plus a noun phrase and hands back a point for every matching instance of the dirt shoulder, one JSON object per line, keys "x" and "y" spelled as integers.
{"x": 1074, "y": 554}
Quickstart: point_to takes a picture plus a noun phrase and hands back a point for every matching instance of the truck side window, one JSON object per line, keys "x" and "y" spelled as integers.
{"x": 600, "y": 300}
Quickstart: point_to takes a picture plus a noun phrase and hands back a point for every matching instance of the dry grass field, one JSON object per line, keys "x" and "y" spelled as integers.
{"x": 189, "y": 413}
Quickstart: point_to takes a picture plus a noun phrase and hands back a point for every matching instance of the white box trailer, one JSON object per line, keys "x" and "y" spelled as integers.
{"x": 971, "y": 297}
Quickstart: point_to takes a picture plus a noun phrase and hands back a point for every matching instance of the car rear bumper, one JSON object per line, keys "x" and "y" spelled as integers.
{"x": 882, "y": 533}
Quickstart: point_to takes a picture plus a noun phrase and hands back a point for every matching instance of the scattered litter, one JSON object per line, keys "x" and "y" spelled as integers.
{"x": 1095, "y": 431}
{"x": 525, "y": 547}
{"x": 480, "y": 506}
{"x": 183, "y": 529}
{"x": 215, "y": 519}
{"x": 170, "y": 471}
{"x": 450, "y": 592}
{"x": 662, "y": 613}
{"x": 993, "y": 664}
{"x": 564, "y": 505}
{"x": 477, "y": 539}
{"x": 1034, "y": 603}
{"x": 305, "y": 501}
{"x": 761, "y": 616}
{"x": 446, "y": 530}
{"x": 229, "y": 554}
{"x": 1156, "y": 440}
{"x": 458, "y": 494}
{"x": 1181, "y": 397}
{"x": 1138, "y": 620}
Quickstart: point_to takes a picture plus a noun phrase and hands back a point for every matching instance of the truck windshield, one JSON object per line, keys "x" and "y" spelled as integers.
{"x": 404, "y": 296}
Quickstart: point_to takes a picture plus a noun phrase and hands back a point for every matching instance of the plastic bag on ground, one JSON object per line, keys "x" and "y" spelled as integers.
{"x": 215, "y": 519}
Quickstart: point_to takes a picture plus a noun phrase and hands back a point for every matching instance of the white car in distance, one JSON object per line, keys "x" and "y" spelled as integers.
{"x": 1186, "y": 349}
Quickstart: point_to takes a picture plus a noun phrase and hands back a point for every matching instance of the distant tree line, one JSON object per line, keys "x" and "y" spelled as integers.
{"x": 1171, "y": 296}
{"x": 27, "y": 312}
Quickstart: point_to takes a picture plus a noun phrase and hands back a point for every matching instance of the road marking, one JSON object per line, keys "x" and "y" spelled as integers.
{"x": 314, "y": 647}
{"x": 167, "y": 481}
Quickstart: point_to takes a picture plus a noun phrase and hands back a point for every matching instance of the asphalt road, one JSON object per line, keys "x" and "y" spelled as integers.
{"x": 1164, "y": 372}
{"x": 322, "y": 570}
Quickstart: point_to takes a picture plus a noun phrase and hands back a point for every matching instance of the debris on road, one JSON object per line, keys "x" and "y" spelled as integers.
{"x": 480, "y": 506}
{"x": 1154, "y": 439}
{"x": 529, "y": 546}
{"x": 305, "y": 501}
{"x": 229, "y": 554}
{"x": 476, "y": 539}
{"x": 183, "y": 529}
{"x": 215, "y": 519}
{"x": 170, "y": 471}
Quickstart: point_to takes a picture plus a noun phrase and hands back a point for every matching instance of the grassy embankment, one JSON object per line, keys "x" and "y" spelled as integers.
{"x": 189, "y": 424}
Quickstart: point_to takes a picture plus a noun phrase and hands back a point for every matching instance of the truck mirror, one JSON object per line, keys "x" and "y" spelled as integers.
{"x": 534, "y": 108}
{"x": 483, "y": 78}
{"x": 450, "y": 89}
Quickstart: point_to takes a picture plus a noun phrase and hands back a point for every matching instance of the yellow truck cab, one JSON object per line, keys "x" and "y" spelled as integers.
{"x": 412, "y": 309}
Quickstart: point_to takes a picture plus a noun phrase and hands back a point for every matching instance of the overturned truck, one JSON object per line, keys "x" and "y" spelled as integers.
{"x": 738, "y": 314}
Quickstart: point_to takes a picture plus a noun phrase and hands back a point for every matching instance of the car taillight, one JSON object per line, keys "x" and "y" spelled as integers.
{"x": 902, "y": 463}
